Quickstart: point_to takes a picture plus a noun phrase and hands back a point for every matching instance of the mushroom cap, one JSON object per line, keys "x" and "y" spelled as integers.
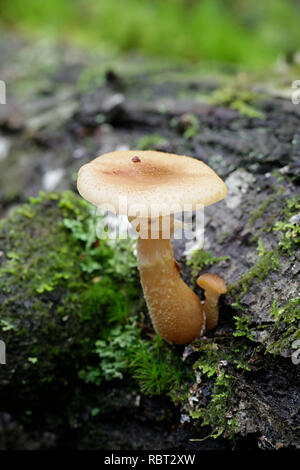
{"x": 212, "y": 282}
{"x": 147, "y": 179}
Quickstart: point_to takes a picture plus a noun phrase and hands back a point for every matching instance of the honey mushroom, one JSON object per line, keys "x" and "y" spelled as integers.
{"x": 137, "y": 181}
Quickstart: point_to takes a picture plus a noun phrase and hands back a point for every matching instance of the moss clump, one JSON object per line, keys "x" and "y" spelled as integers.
{"x": 158, "y": 369}
{"x": 261, "y": 211}
{"x": 290, "y": 227}
{"x": 217, "y": 415}
{"x": 37, "y": 270}
{"x": 238, "y": 99}
{"x": 201, "y": 259}
{"x": 69, "y": 317}
{"x": 188, "y": 125}
{"x": 61, "y": 290}
{"x": 242, "y": 327}
{"x": 286, "y": 327}
{"x": 155, "y": 368}
{"x": 217, "y": 370}
{"x": 114, "y": 354}
{"x": 263, "y": 207}
{"x": 284, "y": 331}
{"x": 150, "y": 142}
{"x": 70, "y": 305}
{"x": 268, "y": 262}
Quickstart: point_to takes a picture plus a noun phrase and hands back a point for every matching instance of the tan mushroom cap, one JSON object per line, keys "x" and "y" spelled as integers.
{"x": 212, "y": 282}
{"x": 149, "y": 178}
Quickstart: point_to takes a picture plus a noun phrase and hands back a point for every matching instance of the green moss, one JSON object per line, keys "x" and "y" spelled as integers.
{"x": 201, "y": 259}
{"x": 267, "y": 263}
{"x": 261, "y": 249}
{"x": 242, "y": 326}
{"x": 38, "y": 257}
{"x": 71, "y": 304}
{"x": 219, "y": 365}
{"x": 151, "y": 142}
{"x": 114, "y": 354}
{"x": 270, "y": 260}
{"x": 284, "y": 210}
{"x": 155, "y": 368}
{"x": 286, "y": 327}
{"x": 289, "y": 229}
{"x": 217, "y": 414}
{"x": 61, "y": 289}
{"x": 263, "y": 207}
{"x": 158, "y": 370}
{"x": 222, "y": 361}
{"x": 187, "y": 125}
{"x": 235, "y": 98}
{"x": 290, "y": 236}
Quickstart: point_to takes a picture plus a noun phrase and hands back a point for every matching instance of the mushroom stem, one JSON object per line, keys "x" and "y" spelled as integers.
{"x": 211, "y": 308}
{"x": 213, "y": 286}
{"x": 175, "y": 310}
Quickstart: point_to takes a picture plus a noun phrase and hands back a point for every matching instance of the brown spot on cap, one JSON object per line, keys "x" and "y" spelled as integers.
{"x": 136, "y": 159}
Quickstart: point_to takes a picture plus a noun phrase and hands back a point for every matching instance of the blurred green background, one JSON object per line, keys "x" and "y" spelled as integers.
{"x": 250, "y": 32}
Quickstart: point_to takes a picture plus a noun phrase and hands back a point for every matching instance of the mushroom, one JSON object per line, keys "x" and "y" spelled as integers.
{"x": 138, "y": 181}
{"x": 213, "y": 286}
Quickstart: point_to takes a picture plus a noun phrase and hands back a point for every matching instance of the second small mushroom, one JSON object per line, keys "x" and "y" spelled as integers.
{"x": 155, "y": 179}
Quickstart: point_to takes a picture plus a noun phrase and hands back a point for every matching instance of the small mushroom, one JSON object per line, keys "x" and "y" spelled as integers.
{"x": 147, "y": 179}
{"x": 213, "y": 286}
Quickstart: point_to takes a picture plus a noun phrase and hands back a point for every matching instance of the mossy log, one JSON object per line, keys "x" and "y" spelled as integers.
{"x": 62, "y": 293}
